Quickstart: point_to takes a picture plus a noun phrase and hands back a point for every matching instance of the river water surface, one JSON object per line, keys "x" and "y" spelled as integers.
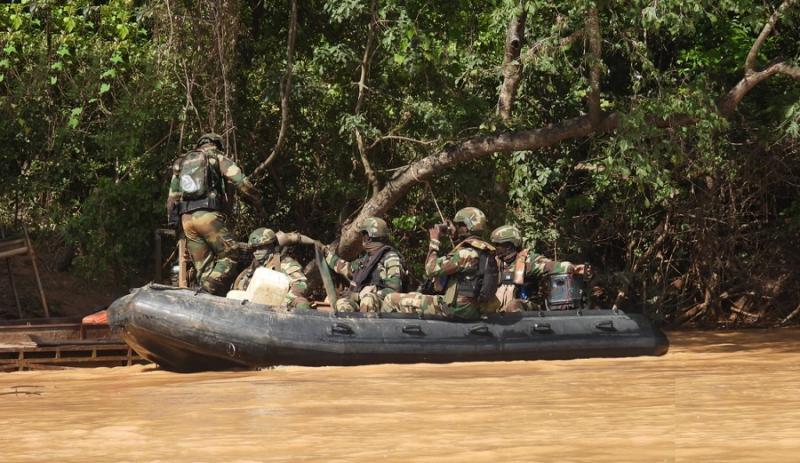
{"x": 714, "y": 397}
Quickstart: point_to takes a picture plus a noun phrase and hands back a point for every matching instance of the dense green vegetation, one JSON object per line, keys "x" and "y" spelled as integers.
{"x": 668, "y": 170}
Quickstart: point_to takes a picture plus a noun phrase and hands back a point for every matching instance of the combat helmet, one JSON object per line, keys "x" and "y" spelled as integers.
{"x": 262, "y": 237}
{"x": 375, "y": 228}
{"x": 472, "y": 217}
{"x": 507, "y": 234}
{"x": 211, "y": 138}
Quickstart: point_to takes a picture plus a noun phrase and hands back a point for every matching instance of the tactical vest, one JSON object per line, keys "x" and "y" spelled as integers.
{"x": 200, "y": 182}
{"x": 368, "y": 273}
{"x": 514, "y": 274}
{"x": 481, "y": 282}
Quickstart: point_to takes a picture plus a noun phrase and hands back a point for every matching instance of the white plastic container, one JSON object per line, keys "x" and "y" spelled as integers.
{"x": 267, "y": 287}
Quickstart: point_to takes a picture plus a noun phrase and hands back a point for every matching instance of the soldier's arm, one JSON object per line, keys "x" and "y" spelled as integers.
{"x": 234, "y": 174}
{"x": 174, "y": 193}
{"x": 338, "y": 265}
{"x": 392, "y": 274}
{"x": 445, "y": 265}
{"x": 298, "y": 283}
{"x": 538, "y": 265}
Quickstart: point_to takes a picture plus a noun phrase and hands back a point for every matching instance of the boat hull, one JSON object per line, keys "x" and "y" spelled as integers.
{"x": 182, "y": 330}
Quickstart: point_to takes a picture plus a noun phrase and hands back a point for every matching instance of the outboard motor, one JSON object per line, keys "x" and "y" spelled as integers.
{"x": 566, "y": 291}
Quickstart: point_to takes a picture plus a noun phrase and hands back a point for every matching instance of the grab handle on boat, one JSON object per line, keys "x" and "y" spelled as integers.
{"x": 481, "y": 330}
{"x": 542, "y": 328}
{"x": 413, "y": 329}
{"x": 341, "y": 328}
{"x": 607, "y": 325}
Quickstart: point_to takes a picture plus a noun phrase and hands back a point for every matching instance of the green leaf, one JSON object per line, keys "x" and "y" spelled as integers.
{"x": 76, "y": 111}
{"x": 73, "y": 122}
{"x": 4, "y": 63}
{"x": 109, "y": 73}
{"x": 116, "y": 58}
{"x": 63, "y": 51}
{"x": 16, "y": 21}
{"x": 57, "y": 66}
{"x": 104, "y": 88}
{"x": 122, "y": 31}
{"x": 10, "y": 49}
{"x": 69, "y": 24}
{"x": 53, "y": 80}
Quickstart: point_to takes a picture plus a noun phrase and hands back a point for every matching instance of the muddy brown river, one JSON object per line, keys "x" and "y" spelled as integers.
{"x": 714, "y": 397}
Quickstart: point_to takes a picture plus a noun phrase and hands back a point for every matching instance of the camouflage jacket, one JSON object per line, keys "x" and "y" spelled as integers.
{"x": 389, "y": 269}
{"x": 229, "y": 170}
{"x": 298, "y": 283}
{"x": 462, "y": 260}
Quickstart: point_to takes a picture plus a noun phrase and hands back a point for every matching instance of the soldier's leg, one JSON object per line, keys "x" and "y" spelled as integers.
{"x": 347, "y": 304}
{"x": 369, "y": 300}
{"x": 413, "y": 303}
{"x": 296, "y": 298}
{"x": 210, "y": 226}
{"x": 199, "y": 250}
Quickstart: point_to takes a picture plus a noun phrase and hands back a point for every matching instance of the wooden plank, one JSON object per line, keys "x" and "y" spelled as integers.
{"x": 13, "y": 252}
{"x": 36, "y": 272}
{"x": 12, "y": 243}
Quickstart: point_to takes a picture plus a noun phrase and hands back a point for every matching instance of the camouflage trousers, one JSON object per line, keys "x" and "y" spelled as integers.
{"x": 212, "y": 249}
{"x": 296, "y": 299}
{"x": 368, "y": 300}
{"x": 415, "y": 303}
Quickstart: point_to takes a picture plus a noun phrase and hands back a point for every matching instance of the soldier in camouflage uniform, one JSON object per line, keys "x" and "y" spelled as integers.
{"x": 196, "y": 201}
{"x": 375, "y": 274}
{"x": 520, "y": 269}
{"x": 456, "y": 273}
{"x": 267, "y": 255}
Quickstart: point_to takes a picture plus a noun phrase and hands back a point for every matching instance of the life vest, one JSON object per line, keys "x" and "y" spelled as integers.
{"x": 481, "y": 282}
{"x": 369, "y": 274}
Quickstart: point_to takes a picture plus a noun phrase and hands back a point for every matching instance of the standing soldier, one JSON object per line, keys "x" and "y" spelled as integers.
{"x": 375, "y": 274}
{"x": 520, "y": 269}
{"x": 467, "y": 274}
{"x": 196, "y": 202}
{"x": 267, "y": 255}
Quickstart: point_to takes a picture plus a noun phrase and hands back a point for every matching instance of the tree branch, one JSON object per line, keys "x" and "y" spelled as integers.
{"x": 752, "y": 77}
{"x": 362, "y": 92}
{"x": 546, "y": 45}
{"x": 512, "y": 66}
{"x": 595, "y": 62}
{"x": 286, "y": 87}
{"x": 468, "y": 150}
{"x": 750, "y": 61}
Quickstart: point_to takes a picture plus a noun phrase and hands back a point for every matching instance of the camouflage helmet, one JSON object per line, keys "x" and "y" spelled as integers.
{"x": 507, "y": 234}
{"x": 472, "y": 217}
{"x": 374, "y": 227}
{"x": 262, "y": 236}
{"x": 211, "y": 138}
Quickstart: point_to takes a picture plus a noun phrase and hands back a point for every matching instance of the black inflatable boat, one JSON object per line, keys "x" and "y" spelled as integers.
{"x": 182, "y": 330}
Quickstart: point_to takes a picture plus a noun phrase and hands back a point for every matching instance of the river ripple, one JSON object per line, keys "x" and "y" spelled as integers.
{"x": 731, "y": 396}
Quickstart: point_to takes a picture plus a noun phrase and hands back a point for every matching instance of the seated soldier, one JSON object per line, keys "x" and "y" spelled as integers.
{"x": 373, "y": 275}
{"x": 459, "y": 274}
{"x": 520, "y": 270}
{"x": 267, "y": 255}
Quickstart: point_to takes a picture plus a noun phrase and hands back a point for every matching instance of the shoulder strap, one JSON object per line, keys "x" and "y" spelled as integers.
{"x": 274, "y": 263}
{"x": 365, "y": 271}
{"x": 519, "y": 267}
{"x": 478, "y": 243}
